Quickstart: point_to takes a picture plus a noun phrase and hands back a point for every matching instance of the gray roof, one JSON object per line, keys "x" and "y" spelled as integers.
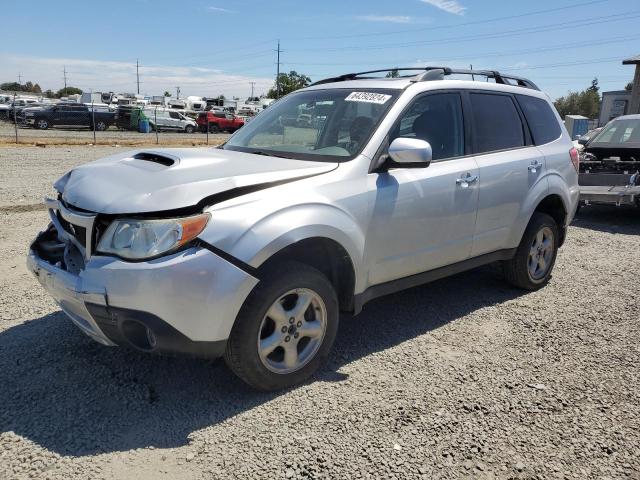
{"x": 632, "y": 61}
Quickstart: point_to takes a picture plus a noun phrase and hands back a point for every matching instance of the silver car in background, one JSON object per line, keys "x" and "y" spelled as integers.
{"x": 251, "y": 250}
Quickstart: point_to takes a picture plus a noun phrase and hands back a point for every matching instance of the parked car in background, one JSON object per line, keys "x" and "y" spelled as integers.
{"x": 584, "y": 139}
{"x": 610, "y": 164}
{"x": 251, "y": 250}
{"x": 70, "y": 115}
{"x": 219, "y": 121}
{"x": 170, "y": 120}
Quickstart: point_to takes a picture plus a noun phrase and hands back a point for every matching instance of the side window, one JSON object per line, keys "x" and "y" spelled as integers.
{"x": 541, "y": 119}
{"x": 174, "y": 115}
{"x": 496, "y": 123}
{"x": 437, "y": 119}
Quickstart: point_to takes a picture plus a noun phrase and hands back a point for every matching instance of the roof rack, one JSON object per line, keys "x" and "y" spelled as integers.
{"x": 436, "y": 73}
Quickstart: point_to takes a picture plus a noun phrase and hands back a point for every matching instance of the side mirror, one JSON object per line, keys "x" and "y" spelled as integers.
{"x": 583, "y": 141}
{"x": 410, "y": 152}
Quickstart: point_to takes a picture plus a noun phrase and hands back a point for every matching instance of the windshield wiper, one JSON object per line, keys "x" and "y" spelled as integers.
{"x": 268, "y": 154}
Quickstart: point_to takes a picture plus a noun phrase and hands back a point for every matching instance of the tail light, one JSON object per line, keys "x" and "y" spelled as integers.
{"x": 575, "y": 158}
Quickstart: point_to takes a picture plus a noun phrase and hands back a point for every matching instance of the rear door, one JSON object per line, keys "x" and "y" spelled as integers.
{"x": 510, "y": 165}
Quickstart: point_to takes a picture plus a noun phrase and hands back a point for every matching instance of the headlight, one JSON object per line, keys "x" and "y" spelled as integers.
{"x": 139, "y": 238}
{"x": 29, "y": 114}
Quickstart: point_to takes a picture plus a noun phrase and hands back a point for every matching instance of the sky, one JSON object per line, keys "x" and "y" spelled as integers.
{"x": 213, "y": 47}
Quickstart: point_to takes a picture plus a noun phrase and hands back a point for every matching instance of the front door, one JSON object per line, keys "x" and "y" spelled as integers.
{"x": 424, "y": 218}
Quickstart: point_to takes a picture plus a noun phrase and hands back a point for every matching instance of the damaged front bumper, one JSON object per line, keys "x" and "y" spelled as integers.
{"x": 185, "y": 302}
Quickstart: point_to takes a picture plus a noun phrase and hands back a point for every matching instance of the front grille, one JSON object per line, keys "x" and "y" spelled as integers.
{"x": 78, "y": 232}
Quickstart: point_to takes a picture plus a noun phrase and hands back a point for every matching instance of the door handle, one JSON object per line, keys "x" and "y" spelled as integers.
{"x": 467, "y": 180}
{"x": 533, "y": 168}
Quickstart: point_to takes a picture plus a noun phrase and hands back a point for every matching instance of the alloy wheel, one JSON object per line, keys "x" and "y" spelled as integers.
{"x": 292, "y": 331}
{"x": 541, "y": 254}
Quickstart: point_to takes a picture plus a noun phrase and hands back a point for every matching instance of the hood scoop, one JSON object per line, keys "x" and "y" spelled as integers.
{"x": 159, "y": 158}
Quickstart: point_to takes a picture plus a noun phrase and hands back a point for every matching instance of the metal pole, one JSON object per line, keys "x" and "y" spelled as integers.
{"x": 278, "y": 74}
{"x": 137, "y": 76}
{"x": 93, "y": 118}
{"x": 155, "y": 123}
{"x": 15, "y": 121}
{"x": 207, "y": 114}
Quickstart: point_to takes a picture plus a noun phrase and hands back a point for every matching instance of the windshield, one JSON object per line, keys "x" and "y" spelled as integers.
{"x": 619, "y": 132}
{"x": 330, "y": 125}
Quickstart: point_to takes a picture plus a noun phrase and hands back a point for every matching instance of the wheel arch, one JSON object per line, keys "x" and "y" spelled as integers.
{"x": 326, "y": 255}
{"x": 554, "y": 206}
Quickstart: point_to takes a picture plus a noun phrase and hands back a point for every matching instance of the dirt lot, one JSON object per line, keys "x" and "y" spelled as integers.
{"x": 462, "y": 378}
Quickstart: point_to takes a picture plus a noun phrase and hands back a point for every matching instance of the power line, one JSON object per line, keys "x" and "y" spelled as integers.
{"x": 508, "y": 33}
{"x": 605, "y": 41}
{"x": 457, "y": 25}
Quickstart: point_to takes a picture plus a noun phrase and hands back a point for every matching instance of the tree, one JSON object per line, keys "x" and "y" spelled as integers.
{"x": 65, "y": 92}
{"x": 393, "y": 73}
{"x": 629, "y": 86}
{"x": 167, "y": 94}
{"x": 586, "y": 102}
{"x": 16, "y": 87}
{"x": 11, "y": 87}
{"x": 49, "y": 93}
{"x": 289, "y": 82}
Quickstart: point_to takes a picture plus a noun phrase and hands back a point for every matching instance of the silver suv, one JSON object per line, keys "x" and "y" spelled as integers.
{"x": 252, "y": 249}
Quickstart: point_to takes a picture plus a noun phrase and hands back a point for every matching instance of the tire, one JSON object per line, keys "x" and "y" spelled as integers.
{"x": 41, "y": 123}
{"x": 188, "y": 129}
{"x": 284, "y": 290}
{"x": 213, "y": 128}
{"x": 101, "y": 126}
{"x": 539, "y": 245}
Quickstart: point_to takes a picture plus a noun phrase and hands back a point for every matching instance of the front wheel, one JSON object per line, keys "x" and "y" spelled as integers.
{"x": 285, "y": 329}
{"x": 535, "y": 257}
{"x": 42, "y": 124}
{"x": 213, "y": 128}
{"x": 188, "y": 129}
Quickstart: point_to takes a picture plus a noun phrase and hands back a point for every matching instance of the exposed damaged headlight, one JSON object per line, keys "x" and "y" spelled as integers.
{"x": 138, "y": 239}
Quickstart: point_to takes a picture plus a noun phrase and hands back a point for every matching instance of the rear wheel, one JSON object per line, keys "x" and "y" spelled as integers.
{"x": 285, "y": 329}
{"x": 213, "y": 128}
{"x": 535, "y": 257}
{"x": 101, "y": 126}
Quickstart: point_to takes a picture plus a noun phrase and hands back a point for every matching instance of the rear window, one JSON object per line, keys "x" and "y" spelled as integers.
{"x": 541, "y": 119}
{"x": 497, "y": 124}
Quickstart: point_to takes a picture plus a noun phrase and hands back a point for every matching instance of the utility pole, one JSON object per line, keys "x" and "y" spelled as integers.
{"x": 473, "y": 77}
{"x": 64, "y": 71}
{"x": 278, "y": 72}
{"x": 138, "y": 75}
{"x": 253, "y": 84}
{"x": 20, "y": 78}
{"x": 177, "y": 93}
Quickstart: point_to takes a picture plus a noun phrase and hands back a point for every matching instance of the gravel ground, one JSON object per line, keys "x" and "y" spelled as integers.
{"x": 462, "y": 378}
{"x": 112, "y": 135}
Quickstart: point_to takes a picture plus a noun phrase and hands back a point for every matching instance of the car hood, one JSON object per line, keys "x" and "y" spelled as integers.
{"x": 145, "y": 181}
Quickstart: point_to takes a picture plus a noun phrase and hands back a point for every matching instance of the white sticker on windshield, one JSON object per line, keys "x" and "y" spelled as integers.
{"x": 368, "y": 97}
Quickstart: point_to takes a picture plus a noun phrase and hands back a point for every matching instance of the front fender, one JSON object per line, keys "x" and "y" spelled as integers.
{"x": 254, "y": 241}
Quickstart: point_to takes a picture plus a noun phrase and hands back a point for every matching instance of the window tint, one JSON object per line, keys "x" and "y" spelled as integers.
{"x": 438, "y": 120}
{"x": 497, "y": 125}
{"x": 175, "y": 115}
{"x": 541, "y": 119}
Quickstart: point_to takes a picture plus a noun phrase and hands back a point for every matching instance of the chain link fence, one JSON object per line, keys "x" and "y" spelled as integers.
{"x": 32, "y": 120}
